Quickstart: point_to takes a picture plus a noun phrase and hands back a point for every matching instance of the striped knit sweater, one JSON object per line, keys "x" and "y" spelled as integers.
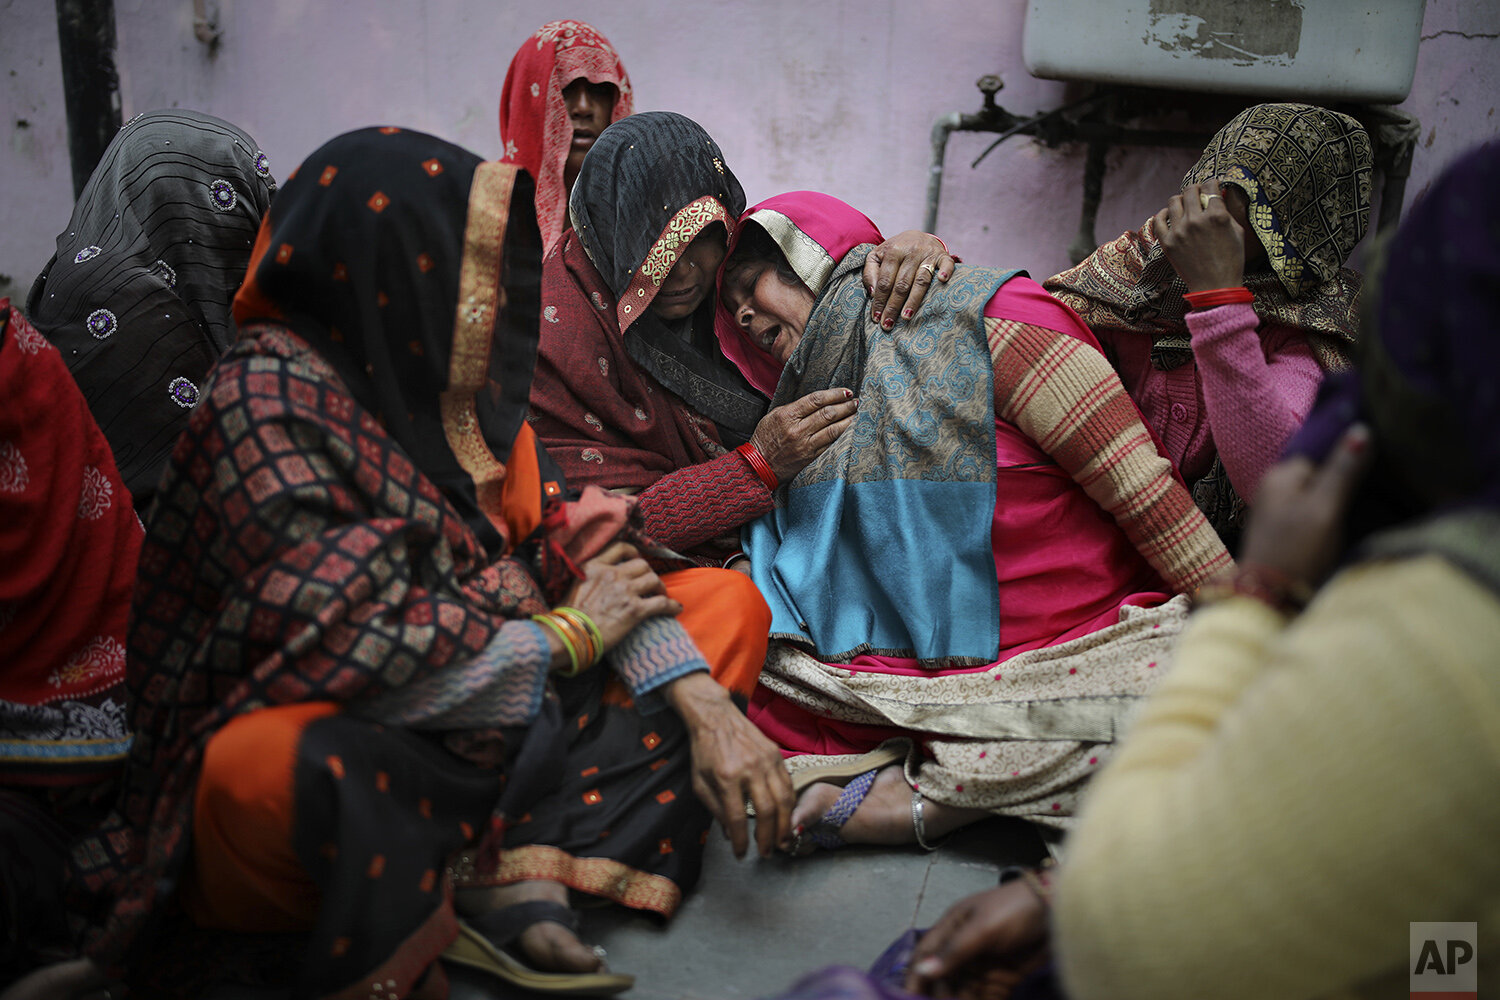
{"x": 1063, "y": 394}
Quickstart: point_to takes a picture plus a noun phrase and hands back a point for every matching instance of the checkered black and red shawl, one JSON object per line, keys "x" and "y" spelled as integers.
{"x": 331, "y": 525}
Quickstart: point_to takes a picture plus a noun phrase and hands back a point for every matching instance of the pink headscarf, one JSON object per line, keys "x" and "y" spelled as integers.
{"x": 534, "y": 121}
{"x": 814, "y": 231}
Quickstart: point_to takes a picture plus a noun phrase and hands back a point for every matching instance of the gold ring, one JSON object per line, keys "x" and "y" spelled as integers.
{"x": 1204, "y": 199}
{"x": 926, "y": 267}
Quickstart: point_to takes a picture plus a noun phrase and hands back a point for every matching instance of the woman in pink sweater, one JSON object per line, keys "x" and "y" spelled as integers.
{"x": 1224, "y": 310}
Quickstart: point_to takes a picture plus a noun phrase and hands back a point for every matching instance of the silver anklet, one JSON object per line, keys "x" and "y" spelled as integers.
{"x": 917, "y": 825}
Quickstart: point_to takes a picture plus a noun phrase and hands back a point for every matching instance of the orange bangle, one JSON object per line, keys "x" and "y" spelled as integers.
{"x": 1218, "y": 297}
{"x": 758, "y": 464}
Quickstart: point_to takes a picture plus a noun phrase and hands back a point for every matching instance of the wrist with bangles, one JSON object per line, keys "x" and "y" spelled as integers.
{"x": 758, "y": 465}
{"x": 1271, "y": 587}
{"x": 580, "y": 637}
{"x": 1215, "y": 297}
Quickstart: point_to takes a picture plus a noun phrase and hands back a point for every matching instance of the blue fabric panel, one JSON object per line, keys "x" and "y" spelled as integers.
{"x": 890, "y": 581}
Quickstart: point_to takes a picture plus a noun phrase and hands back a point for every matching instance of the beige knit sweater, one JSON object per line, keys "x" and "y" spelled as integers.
{"x": 1293, "y": 795}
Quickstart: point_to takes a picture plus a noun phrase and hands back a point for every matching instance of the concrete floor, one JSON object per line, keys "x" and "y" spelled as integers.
{"x": 752, "y": 928}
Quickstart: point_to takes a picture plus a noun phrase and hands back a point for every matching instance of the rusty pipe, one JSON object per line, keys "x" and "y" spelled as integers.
{"x": 206, "y": 24}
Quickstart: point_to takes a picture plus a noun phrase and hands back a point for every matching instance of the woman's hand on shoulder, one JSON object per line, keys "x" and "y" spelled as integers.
{"x": 792, "y": 435}
{"x": 734, "y": 763}
{"x": 619, "y": 590}
{"x": 1201, "y": 239}
{"x": 898, "y": 273}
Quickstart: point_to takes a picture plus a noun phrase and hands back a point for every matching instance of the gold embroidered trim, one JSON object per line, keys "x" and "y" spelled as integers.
{"x": 601, "y": 877}
{"x": 479, "y": 302}
{"x": 812, "y": 263}
{"x": 680, "y": 230}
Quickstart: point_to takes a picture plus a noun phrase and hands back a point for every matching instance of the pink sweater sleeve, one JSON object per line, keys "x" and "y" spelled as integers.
{"x": 1257, "y": 391}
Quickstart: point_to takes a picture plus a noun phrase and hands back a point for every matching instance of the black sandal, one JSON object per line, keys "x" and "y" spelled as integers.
{"x": 486, "y": 943}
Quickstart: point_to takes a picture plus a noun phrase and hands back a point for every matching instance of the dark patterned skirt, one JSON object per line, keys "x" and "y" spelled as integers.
{"x": 353, "y": 862}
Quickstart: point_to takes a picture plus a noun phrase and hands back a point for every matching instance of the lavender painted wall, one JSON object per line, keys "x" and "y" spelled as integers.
{"x": 836, "y": 95}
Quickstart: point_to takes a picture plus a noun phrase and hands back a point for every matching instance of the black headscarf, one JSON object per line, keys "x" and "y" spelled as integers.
{"x": 301, "y": 548}
{"x": 371, "y": 279}
{"x": 650, "y": 184}
{"x": 137, "y": 297}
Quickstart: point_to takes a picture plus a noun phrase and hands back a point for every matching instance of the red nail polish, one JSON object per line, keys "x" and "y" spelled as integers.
{"x": 875, "y": 315}
{"x": 906, "y": 314}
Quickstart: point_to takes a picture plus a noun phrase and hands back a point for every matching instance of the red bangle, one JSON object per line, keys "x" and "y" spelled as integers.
{"x": 950, "y": 253}
{"x": 1272, "y": 588}
{"x": 758, "y": 464}
{"x": 1219, "y": 297}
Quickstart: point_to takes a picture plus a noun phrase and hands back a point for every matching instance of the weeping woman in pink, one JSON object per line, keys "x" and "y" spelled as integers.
{"x": 974, "y": 583}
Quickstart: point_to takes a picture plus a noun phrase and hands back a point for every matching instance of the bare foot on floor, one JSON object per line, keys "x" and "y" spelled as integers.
{"x": 547, "y": 946}
{"x": 884, "y": 817}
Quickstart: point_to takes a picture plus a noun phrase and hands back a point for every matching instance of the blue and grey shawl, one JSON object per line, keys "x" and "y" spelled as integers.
{"x": 882, "y": 544}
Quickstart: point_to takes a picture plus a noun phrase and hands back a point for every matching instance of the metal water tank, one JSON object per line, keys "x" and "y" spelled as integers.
{"x": 1319, "y": 51}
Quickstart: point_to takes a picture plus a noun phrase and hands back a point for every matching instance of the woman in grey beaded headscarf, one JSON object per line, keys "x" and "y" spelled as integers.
{"x": 138, "y": 295}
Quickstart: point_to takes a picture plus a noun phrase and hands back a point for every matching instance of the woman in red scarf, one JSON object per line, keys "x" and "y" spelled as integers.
{"x": 69, "y": 540}
{"x": 564, "y": 86}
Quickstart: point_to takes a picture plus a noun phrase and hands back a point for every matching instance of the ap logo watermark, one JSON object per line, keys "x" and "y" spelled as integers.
{"x": 1444, "y": 961}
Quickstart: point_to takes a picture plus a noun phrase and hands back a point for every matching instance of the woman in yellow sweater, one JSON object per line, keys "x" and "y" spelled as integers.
{"x": 1315, "y": 774}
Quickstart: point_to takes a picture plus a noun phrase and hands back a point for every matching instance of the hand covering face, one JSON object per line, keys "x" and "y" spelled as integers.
{"x": 1306, "y": 174}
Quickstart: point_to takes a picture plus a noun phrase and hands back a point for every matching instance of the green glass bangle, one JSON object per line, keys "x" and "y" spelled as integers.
{"x": 588, "y": 623}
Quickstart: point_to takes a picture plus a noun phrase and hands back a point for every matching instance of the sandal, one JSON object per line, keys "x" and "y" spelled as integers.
{"x": 485, "y": 943}
{"x": 890, "y": 752}
{"x": 825, "y": 832}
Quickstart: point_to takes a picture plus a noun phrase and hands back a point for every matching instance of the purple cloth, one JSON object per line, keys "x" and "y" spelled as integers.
{"x": 883, "y": 981}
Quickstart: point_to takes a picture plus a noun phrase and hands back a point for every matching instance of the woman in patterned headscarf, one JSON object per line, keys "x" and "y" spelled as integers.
{"x": 1225, "y": 309}
{"x": 354, "y": 711}
{"x": 564, "y": 86}
{"x": 138, "y": 295}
